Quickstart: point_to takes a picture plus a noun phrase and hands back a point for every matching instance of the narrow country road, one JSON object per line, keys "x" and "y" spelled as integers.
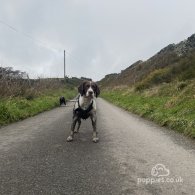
{"x": 36, "y": 159}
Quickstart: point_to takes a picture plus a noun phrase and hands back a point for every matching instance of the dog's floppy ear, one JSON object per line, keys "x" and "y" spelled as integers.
{"x": 97, "y": 91}
{"x": 81, "y": 88}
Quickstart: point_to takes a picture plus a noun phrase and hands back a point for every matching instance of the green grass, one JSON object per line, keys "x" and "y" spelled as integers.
{"x": 14, "y": 109}
{"x": 183, "y": 69}
{"x": 169, "y": 105}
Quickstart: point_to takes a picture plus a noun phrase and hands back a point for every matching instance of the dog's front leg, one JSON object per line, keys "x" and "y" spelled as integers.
{"x": 79, "y": 124}
{"x": 70, "y": 137}
{"x": 93, "y": 120}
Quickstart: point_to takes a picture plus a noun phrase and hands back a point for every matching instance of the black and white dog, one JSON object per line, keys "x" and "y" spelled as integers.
{"x": 85, "y": 107}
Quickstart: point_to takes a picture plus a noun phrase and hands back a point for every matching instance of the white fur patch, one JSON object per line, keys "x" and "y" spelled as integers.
{"x": 84, "y": 103}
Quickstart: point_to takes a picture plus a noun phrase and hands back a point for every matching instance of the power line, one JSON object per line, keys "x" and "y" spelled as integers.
{"x": 41, "y": 43}
{"x": 38, "y": 41}
{"x": 73, "y": 57}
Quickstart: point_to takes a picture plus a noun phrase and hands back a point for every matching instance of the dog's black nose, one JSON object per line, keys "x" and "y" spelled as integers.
{"x": 90, "y": 92}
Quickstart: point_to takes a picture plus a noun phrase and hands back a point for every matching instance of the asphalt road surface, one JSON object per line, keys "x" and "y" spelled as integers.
{"x": 134, "y": 156}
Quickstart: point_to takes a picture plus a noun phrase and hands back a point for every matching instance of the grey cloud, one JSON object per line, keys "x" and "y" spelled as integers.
{"x": 101, "y": 36}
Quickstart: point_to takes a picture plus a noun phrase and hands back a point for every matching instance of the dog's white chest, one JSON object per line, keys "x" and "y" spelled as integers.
{"x": 84, "y": 103}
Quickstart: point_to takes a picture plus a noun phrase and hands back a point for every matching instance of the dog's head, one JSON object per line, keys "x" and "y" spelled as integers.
{"x": 89, "y": 89}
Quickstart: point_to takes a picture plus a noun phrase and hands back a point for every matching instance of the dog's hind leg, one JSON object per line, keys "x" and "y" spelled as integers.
{"x": 93, "y": 120}
{"x": 70, "y": 137}
{"x": 79, "y": 124}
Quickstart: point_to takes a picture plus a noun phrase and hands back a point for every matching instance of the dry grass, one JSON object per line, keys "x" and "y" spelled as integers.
{"x": 17, "y": 84}
{"x": 21, "y": 97}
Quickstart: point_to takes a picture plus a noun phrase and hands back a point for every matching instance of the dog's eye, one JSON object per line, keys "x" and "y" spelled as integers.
{"x": 93, "y": 86}
{"x": 87, "y": 86}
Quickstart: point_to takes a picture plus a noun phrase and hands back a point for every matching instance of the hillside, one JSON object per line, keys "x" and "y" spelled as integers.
{"x": 176, "y": 61}
{"x": 161, "y": 89}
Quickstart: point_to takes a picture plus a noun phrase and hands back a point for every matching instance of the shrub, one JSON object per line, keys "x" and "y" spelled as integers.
{"x": 181, "y": 85}
{"x": 156, "y": 77}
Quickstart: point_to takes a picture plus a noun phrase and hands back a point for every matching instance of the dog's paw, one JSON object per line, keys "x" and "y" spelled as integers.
{"x": 95, "y": 139}
{"x": 69, "y": 138}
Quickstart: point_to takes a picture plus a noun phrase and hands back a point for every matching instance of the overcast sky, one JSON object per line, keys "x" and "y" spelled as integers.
{"x": 100, "y": 36}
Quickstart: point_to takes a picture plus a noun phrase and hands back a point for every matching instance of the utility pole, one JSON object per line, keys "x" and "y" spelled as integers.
{"x": 64, "y": 65}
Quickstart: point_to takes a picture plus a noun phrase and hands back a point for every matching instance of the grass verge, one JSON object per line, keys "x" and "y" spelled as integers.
{"x": 169, "y": 105}
{"x": 18, "y": 108}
